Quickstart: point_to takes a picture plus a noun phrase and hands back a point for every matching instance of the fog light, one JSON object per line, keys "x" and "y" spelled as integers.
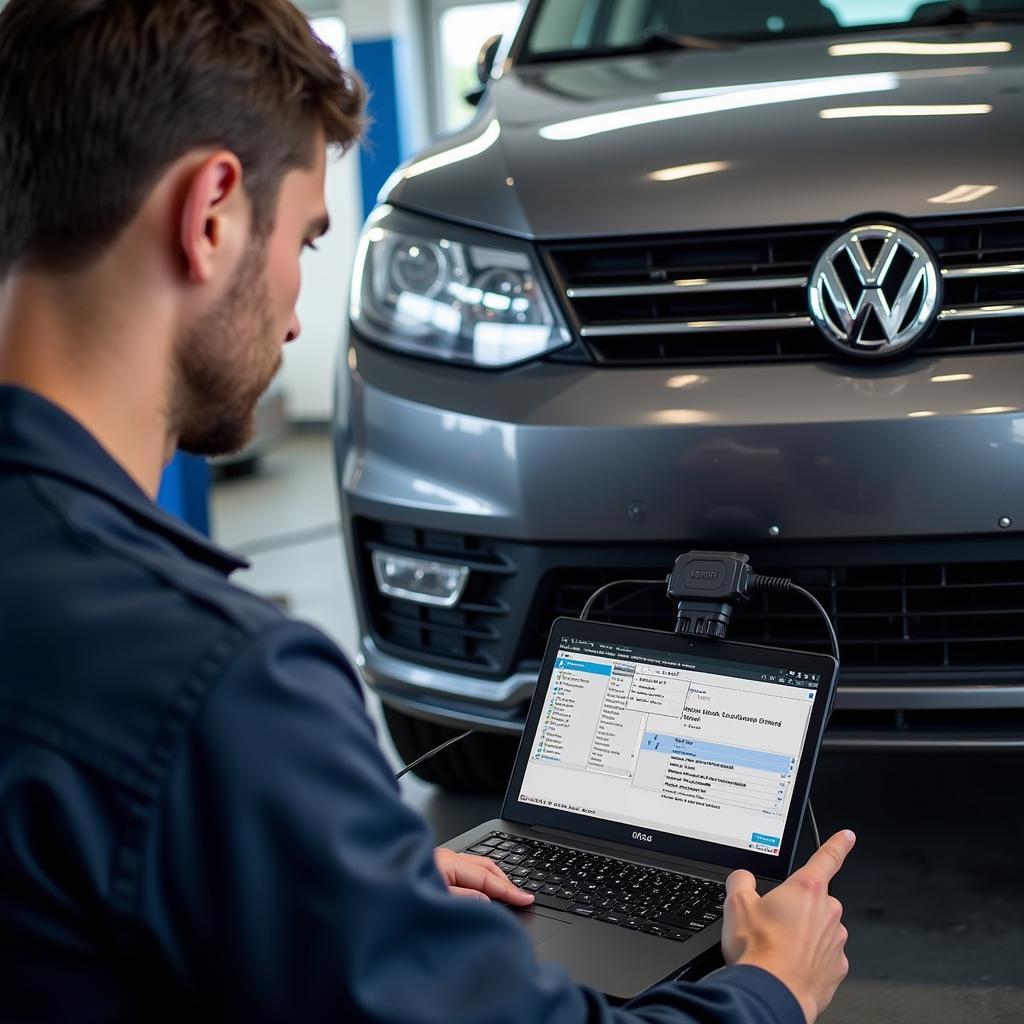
{"x": 418, "y": 579}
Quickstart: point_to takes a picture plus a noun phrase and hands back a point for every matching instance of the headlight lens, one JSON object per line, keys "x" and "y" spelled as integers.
{"x": 451, "y": 293}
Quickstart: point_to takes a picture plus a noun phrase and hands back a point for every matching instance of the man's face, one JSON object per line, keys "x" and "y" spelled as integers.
{"x": 227, "y": 360}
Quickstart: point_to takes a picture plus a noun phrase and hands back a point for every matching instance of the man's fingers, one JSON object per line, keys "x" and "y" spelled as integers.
{"x": 826, "y": 862}
{"x": 740, "y": 881}
{"x": 502, "y": 889}
{"x": 485, "y": 862}
{"x": 470, "y": 874}
{"x": 468, "y": 893}
{"x": 493, "y": 869}
{"x": 489, "y": 865}
{"x": 514, "y": 895}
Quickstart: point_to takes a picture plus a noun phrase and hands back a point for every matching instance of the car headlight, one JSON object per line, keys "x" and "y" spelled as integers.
{"x": 453, "y": 293}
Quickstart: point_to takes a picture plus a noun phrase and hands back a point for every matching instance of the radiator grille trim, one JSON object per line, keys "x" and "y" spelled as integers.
{"x": 742, "y": 297}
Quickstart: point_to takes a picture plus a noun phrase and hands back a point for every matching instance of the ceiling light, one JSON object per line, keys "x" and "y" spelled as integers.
{"x": 713, "y": 101}
{"x": 964, "y": 194}
{"x": 907, "y": 110}
{"x": 685, "y": 380}
{"x": 887, "y": 46}
{"x": 689, "y": 170}
{"x": 681, "y": 416}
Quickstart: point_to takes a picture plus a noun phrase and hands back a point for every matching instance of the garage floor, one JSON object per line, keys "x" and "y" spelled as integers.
{"x": 935, "y": 889}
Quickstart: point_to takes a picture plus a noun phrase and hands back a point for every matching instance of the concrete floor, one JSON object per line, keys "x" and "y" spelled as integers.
{"x": 934, "y": 892}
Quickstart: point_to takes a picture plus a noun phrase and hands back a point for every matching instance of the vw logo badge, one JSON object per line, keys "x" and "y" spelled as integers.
{"x": 875, "y": 290}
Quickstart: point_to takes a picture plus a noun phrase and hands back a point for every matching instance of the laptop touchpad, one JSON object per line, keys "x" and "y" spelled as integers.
{"x": 539, "y": 927}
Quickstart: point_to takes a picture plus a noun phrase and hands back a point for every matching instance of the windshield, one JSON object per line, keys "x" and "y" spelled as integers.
{"x": 580, "y": 27}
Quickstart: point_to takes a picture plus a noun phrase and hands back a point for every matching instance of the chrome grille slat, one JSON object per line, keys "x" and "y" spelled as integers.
{"x": 695, "y": 286}
{"x": 774, "y": 323}
{"x": 981, "y": 312}
{"x": 983, "y": 270}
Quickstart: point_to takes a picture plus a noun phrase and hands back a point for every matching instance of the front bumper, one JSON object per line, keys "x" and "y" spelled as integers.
{"x": 906, "y": 718}
{"x": 560, "y": 476}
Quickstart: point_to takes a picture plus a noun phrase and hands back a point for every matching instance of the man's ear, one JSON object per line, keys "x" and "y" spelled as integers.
{"x": 215, "y": 215}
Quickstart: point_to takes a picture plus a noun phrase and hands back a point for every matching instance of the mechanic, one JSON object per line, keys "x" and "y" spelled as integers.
{"x": 196, "y": 821}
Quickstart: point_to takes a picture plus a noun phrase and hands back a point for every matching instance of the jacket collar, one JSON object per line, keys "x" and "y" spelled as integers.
{"x": 39, "y": 437}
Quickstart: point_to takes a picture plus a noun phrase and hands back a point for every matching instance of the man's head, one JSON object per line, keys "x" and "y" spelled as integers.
{"x": 188, "y": 138}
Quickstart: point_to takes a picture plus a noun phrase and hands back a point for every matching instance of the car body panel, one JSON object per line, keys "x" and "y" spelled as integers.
{"x": 574, "y": 463}
{"x": 567, "y": 452}
{"x": 756, "y": 112}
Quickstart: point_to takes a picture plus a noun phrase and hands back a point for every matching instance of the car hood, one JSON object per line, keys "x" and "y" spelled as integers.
{"x": 908, "y": 124}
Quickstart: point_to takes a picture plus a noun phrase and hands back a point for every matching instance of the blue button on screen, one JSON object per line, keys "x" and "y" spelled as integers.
{"x": 765, "y": 840}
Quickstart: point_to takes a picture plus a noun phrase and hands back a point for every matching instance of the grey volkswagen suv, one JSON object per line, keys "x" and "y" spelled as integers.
{"x": 743, "y": 275}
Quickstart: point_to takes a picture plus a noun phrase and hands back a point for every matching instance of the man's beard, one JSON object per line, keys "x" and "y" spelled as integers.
{"x": 224, "y": 363}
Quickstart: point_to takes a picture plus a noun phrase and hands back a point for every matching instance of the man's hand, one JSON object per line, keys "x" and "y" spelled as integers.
{"x": 478, "y": 878}
{"x": 795, "y": 932}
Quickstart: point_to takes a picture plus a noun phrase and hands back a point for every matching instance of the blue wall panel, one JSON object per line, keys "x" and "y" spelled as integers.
{"x": 185, "y": 491}
{"x": 383, "y": 149}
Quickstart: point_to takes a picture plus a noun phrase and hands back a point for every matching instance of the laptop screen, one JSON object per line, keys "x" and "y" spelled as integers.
{"x": 671, "y": 736}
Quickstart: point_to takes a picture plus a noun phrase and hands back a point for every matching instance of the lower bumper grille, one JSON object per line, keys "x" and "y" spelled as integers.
{"x": 471, "y": 637}
{"x": 921, "y": 616}
{"x": 907, "y": 613}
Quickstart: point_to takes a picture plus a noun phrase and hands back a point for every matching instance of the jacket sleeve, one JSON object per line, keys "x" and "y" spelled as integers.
{"x": 283, "y": 879}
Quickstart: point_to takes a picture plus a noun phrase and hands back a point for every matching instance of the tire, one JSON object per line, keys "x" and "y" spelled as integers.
{"x": 479, "y": 765}
{"x": 240, "y": 468}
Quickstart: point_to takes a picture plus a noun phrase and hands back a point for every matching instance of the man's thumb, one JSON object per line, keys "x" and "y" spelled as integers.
{"x": 740, "y": 881}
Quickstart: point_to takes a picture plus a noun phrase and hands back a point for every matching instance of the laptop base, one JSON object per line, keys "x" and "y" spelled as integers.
{"x": 618, "y": 962}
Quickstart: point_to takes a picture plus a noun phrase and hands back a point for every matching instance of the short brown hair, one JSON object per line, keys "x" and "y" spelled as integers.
{"x": 99, "y": 97}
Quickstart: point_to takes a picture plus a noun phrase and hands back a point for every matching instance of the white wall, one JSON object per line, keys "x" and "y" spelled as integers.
{"x": 400, "y": 21}
{"x": 311, "y": 361}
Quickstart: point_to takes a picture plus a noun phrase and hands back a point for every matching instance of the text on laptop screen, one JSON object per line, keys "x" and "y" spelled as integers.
{"x": 700, "y": 748}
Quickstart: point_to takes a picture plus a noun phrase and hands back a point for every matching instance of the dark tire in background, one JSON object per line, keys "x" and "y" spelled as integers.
{"x": 479, "y": 765}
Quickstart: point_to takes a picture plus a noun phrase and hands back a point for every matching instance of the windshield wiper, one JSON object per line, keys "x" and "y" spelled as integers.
{"x": 661, "y": 40}
{"x": 958, "y": 14}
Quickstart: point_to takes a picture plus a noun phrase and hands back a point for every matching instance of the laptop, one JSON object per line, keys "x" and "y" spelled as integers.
{"x": 651, "y": 766}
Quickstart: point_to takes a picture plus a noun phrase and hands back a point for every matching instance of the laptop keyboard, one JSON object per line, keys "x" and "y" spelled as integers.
{"x": 662, "y": 903}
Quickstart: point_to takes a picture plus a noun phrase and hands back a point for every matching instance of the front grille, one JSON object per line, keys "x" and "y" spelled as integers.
{"x": 904, "y": 618}
{"x": 742, "y": 297}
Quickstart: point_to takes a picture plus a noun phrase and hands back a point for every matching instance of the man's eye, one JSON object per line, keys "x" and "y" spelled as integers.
{"x": 312, "y": 246}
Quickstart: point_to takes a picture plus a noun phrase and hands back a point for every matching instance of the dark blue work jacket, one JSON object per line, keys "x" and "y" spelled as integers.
{"x": 195, "y": 819}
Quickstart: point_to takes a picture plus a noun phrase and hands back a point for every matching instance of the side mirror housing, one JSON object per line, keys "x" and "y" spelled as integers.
{"x": 484, "y": 67}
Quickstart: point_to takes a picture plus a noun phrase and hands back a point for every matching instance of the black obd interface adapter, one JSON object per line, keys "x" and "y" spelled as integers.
{"x": 706, "y": 585}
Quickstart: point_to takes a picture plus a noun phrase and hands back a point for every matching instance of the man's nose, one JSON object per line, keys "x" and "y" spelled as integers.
{"x": 294, "y": 329}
